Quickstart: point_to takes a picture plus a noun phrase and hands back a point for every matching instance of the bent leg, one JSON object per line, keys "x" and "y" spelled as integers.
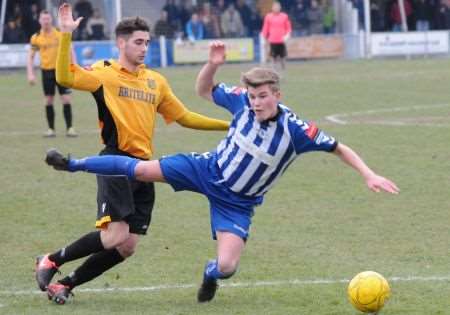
{"x": 229, "y": 250}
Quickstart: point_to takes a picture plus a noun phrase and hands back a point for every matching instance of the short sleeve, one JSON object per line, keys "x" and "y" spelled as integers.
{"x": 308, "y": 137}
{"x": 231, "y": 98}
{"x": 170, "y": 107}
{"x": 33, "y": 42}
{"x": 85, "y": 79}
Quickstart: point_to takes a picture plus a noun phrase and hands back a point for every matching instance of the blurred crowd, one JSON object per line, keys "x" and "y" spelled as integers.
{"x": 239, "y": 18}
{"x": 23, "y": 21}
{"x": 235, "y": 18}
{"x": 421, "y": 15}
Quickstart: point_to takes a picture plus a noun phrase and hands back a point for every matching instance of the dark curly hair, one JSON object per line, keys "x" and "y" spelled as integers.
{"x": 127, "y": 26}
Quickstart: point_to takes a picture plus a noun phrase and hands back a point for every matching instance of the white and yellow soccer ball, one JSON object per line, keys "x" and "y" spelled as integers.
{"x": 368, "y": 291}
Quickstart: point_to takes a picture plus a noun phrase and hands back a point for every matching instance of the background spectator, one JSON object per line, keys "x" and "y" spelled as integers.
{"x": 83, "y": 8}
{"x": 423, "y": 12}
{"x": 246, "y": 16}
{"x": 315, "y": 18}
{"x": 17, "y": 15}
{"x": 256, "y": 23}
{"x": 96, "y": 26}
{"x": 163, "y": 27}
{"x": 172, "y": 14}
{"x": 443, "y": 16}
{"x": 210, "y": 22}
{"x": 184, "y": 15}
{"x": 231, "y": 23}
{"x": 375, "y": 18}
{"x": 396, "y": 18}
{"x": 31, "y": 20}
{"x": 13, "y": 34}
{"x": 194, "y": 28}
{"x": 299, "y": 15}
{"x": 329, "y": 21}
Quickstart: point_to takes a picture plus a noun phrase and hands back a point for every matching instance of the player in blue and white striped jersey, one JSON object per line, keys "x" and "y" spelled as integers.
{"x": 264, "y": 138}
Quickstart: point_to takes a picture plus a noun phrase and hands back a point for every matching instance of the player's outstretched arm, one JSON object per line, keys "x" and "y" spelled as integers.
{"x": 196, "y": 121}
{"x": 68, "y": 73}
{"x": 112, "y": 165}
{"x": 66, "y": 25}
{"x": 205, "y": 78}
{"x": 374, "y": 181}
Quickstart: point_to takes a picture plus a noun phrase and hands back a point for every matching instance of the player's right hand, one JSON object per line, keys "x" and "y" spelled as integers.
{"x": 31, "y": 79}
{"x": 217, "y": 52}
{"x": 65, "y": 19}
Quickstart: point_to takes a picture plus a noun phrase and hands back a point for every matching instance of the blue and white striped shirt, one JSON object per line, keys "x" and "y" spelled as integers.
{"x": 255, "y": 154}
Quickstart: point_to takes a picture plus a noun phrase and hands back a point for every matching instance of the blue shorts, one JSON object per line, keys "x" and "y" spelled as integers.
{"x": 195, "y": 172}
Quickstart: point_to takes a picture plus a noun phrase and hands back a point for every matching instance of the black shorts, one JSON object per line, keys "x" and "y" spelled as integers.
{"x": 278, "y": 50}
{"x": 49, "y": 83}
{"x": 120, "y": 199}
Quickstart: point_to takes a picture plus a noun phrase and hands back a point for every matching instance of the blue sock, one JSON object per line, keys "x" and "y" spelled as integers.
{"x": 105, "y": 165}
{"x": 212, "y": 271}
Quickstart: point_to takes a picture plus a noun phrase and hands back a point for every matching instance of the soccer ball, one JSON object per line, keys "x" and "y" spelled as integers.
{"x": 368, "y": 291}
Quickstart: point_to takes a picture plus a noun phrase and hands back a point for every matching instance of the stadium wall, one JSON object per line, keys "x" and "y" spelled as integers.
{"x": 164, "y": 53}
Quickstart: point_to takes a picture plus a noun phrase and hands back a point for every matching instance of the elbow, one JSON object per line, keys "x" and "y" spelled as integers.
{"x": 204, "y": 92}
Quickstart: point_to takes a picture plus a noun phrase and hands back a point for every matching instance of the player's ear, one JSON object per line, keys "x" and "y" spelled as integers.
{"x": 277, "y": 94}
{"x": 120, "y": 42}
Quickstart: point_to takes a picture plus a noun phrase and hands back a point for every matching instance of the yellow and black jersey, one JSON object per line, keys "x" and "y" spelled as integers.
{"x": 127, "y": 104}
{"x": 47, "y": 45}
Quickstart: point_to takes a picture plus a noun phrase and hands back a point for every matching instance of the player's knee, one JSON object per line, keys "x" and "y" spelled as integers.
{"x": 115, "y": 236}
{"x": 126, "y": 250}
{"x": 114, "y": 240}
{"x": 49, "y": 99}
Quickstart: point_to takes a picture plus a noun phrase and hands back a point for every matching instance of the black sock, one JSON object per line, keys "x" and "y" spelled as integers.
{"x": 67, "y": 110}
{"x": 84, "y": 246}
{"x": 50, "y": 113}
{"x": 93, "y": 267}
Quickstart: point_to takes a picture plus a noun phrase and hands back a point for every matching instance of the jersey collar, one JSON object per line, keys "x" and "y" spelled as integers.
{"x": 118, "y": 67}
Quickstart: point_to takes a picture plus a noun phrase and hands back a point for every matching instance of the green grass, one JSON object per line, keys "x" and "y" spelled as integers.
{"x": 319, "y": 222}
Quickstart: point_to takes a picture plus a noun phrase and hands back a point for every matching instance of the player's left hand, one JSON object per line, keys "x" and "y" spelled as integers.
{"x": 65, "y": 19}
{"x": 378, "y": 183}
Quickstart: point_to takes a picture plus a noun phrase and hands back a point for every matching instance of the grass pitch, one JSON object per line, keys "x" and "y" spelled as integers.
{"x": 319, "y": 227}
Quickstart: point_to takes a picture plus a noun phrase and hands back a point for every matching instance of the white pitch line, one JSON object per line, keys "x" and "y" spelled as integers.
{"x": 80, "y": 132}
{"x": 280, "y": 283}
{"x": 340, "y": 118}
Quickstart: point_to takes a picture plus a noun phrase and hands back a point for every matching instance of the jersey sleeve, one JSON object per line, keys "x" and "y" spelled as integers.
{"x": 308, "y": 137}
{"x": 86, "y": 79}
{"x": 34, "y": 43}
{"x": 170, "y": 107}
{"x": 231, "y": 98}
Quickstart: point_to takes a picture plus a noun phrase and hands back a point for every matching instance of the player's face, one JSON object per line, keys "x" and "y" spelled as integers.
{"x": 264, "y": 101}
{"x": 45, "y": 20}
{"x": 135, "y": 47}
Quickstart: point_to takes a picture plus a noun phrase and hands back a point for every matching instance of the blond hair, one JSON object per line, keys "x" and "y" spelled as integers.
{"x": 258, "y": 76}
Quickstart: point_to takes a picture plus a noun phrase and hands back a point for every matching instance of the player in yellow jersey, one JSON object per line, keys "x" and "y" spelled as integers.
{"x": 128, "y": 96}
{"x": 46, "y": 43}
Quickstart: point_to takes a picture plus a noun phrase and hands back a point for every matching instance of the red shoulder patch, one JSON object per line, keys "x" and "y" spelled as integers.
{"x": 237, "y": 90}
{"x": 312, "y": 130}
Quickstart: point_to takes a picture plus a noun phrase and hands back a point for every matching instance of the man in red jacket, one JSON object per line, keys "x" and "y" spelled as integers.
{"x": 277, "y": 30}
